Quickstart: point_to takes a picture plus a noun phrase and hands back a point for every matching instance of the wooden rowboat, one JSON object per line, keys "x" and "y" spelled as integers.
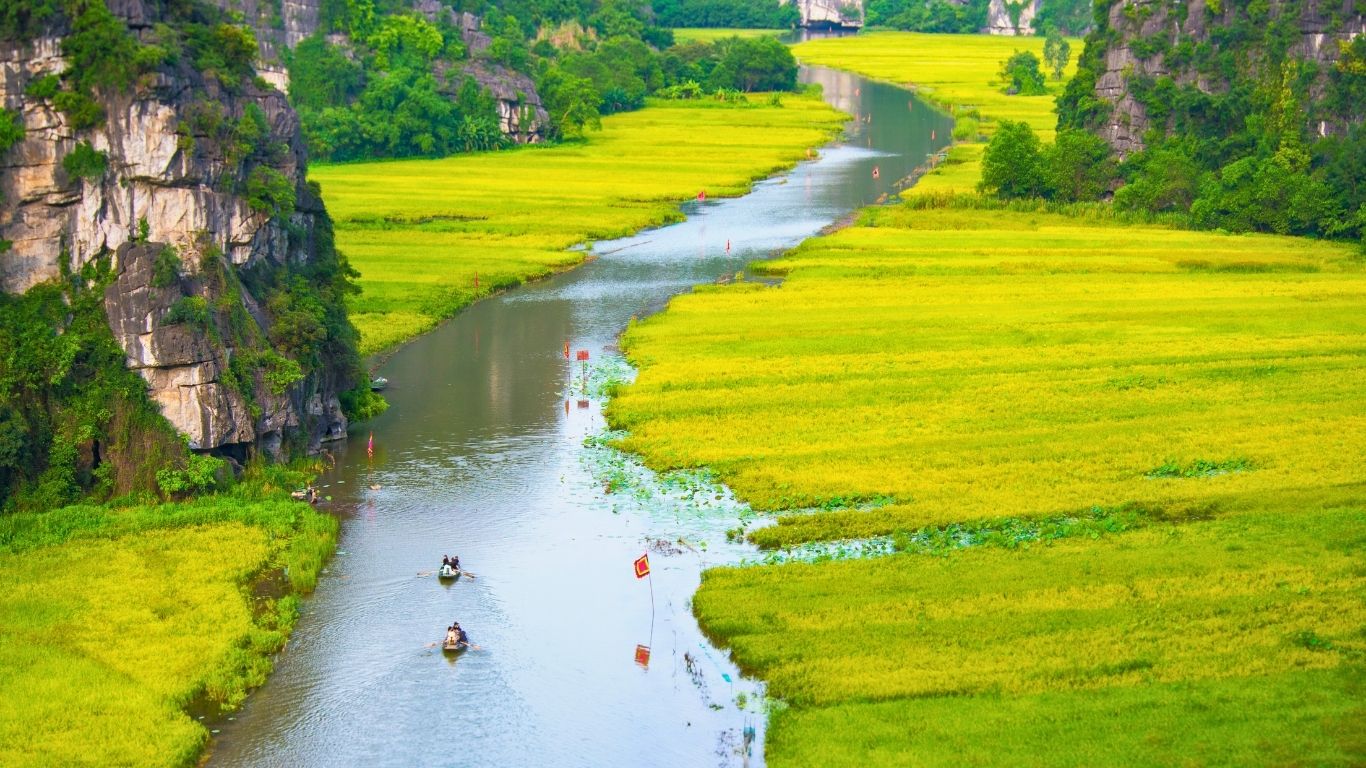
{"x": 448, "y": 572}
{"x": 454, "y": 646}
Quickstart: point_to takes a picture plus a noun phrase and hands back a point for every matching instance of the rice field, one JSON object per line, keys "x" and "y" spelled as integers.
{"x": 114, "y": 621}
{"x": 952, "y": 361}
{"x": 430, "y": 236}
{"x": 712, "y": 34}
{"x": 957, "y": 72}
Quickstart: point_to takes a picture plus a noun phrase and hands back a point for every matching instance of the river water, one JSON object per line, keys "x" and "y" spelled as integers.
{"x": 481, "y": 453}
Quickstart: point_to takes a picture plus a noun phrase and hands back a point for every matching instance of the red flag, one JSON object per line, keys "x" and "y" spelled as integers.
{"x": 702, "y": 195}
{"x": 582, "y": 354}
{"x": 643, "y": 656}
{"x": 642, "y": 566}
{"x": 566, "y": 350}
{"x": 370, "y": 445}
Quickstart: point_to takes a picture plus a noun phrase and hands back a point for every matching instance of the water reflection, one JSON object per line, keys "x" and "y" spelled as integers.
{"x": 482, "y": 454}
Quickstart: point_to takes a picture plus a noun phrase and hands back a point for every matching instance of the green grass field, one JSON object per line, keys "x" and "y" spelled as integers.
{"x": 957, "y": 361}
{"x": 957, "y": 72}
{"x": 712, "y": 34}
{"x": 419, "y": 231}
{"x": 113, "y": 621}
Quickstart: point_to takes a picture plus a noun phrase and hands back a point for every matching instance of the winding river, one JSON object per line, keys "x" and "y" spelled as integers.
{"x": 482, "y": 454}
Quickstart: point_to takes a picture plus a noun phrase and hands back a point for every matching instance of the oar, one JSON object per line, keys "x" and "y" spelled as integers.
{"x": 467, "y": 573}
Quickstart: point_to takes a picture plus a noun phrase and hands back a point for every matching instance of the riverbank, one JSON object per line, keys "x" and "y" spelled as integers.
{"x": 951, "y": 362}
{"x": 116, "y": 620}
{"x": 958, "y": 73}
{"x": 429, "y": 237}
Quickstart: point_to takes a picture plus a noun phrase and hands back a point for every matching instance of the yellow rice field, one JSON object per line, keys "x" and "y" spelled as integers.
{"x": 958, "y": 72}
{"x": 420, "y": 231}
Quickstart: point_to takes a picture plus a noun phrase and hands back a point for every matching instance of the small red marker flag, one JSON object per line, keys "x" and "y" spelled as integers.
{"x": 643, "y": 656}
{"x": 702, "y": 195}
{"x": 642, "y": 566}
{"x": 582, "y": 355}
{"x": 566, "y": 350}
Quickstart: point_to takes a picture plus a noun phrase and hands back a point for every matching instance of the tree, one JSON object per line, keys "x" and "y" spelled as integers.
{"x": 756, "y": 64}
{"x": 1012, "y": 165}
{"x": 1021, "y": 76}
{"x": 1077, "y": 166}
{"x": 1162, "y": 179}
{"x": 571, "y": 101}
{"x": 1057, "y": 52}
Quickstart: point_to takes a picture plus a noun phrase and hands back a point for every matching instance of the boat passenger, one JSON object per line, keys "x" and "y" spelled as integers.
{"x": 455, "y": 562}
{"x": 445, "y": 560}
{"x": 464, "y": 638}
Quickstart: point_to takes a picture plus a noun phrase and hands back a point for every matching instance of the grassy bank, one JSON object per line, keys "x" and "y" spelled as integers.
{"x": 420, "y": 231}
{"x": 712, "y": 34}
{"x": 951, "y": 364}
{"x": 114, "y": 620}
{"x": 957, "y": 72}
{"x": 953, "y": 360}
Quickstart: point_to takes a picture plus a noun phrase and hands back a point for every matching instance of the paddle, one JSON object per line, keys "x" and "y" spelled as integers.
{"x": 467, "y": 573}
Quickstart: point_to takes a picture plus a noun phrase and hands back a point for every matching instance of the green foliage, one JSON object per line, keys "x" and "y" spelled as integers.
{"x": 193, "y": 310}
{"x": 405, "y": 41}
{"x": 223, "y": 51}
{"x": 361, "y": 404}
{"x": 1078, "y": 166}
{"x": 166, "y": 268}
{"x": 1071, "y": 17}
{"x": 572, "y": 103}
{"x": 1012, "y": 165}
{"x": 25, "y": 20}
{"x": 1056, "y": 52}
{"x": 270, "y": 192}
{"x": 43, "y": 88}
{"x": 740, "y": 14}
{"x": 1021, "y": 76}
{"x": 755, "y": 64}
{"x": 200, "y": 474}
{"x": 1199, "y": 468}
{"x": 11, "y": 129}
{"x": 1164, "y": 179}
{"x": 321, "y": 75}
{"x": 928, "y": 15}
{"x": 85, "y": 162}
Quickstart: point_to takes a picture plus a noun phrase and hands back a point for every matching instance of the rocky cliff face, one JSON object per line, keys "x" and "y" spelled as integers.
{"x": 210, "y": 227}
{"x": 830, "y": 14}
{"x": 1151, "y": 40}
{"x": 1012, "y": 18}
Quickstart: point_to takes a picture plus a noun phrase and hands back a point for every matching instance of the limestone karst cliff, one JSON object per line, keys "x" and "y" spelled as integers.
{"x": 182, "y": 175}
{"x": 1150, "y": 62}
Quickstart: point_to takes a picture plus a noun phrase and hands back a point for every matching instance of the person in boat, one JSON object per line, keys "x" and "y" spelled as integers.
{"x": 463, "y": 638}
{"x": 445, "y": 560}
{"x": 455, "y": 562}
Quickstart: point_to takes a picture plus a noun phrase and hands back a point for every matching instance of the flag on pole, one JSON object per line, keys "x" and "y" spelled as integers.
{"x": 642, "y": 566}
{"x": 643, "y": 656}
{"x": 370, "y": 445}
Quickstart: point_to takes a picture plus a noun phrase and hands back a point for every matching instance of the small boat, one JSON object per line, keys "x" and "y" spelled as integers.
{"x": 378, "y": 383}
{"x": 447, "y": 572}
{"x": 454, "y": 646}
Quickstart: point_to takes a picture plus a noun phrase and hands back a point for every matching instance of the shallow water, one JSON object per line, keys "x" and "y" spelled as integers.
{"x": 482, "y": 454}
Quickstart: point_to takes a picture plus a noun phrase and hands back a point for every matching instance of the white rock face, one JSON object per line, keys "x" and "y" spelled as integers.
{"x": 830, "y": 13}
{"x": 999, "y": 23}
{"x": 168, "y": 181}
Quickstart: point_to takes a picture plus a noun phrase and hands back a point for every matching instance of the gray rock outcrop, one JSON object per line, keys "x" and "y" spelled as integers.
{"x": 176, "y": 179}
{"x": 999, "y": 21}
{"x": 1319, "y": 28}
{"x": 830, "y": 14}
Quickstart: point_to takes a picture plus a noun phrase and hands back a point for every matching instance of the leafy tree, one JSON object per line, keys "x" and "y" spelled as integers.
{"x": 1071, "y": 17}
{"x": 572, "y": 102}
{"x": 928, "y": 15}
{"x": 11, "y": 129}
{"x": 405, "y": 41}
{"x": 321, "y": 75}
{"x": 1274, "y": 194}
{"x": 1077, "y": 166}
{"x": 1057, "y": 52}
{"x": 1162, "y": 179}
{"x": 756, "y": 64}
{"x": 1021, "y": 76}
{"x": 270, "y": 192}
{"x": 1012, "y": 165}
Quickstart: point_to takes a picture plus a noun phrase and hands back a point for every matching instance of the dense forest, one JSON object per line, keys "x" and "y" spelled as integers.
{"x": 385, "y": 81}
{"x": 1235, "y": 125}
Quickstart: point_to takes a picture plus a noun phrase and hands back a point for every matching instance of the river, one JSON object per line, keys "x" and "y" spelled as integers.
{"x": 482, "y": 454}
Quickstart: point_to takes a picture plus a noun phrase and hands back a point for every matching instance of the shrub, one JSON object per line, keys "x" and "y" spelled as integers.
{"x": 1012, "y": 165}
{"x": 201, "y": 473}
{"x": 86, "y": 162}
{"x": 1077, "y": 166}
{"x": 193, "y": 310}
{"x": 1021, "y": 76}
{"x": 269, "y": 191}
{"x": 166, "y": 268}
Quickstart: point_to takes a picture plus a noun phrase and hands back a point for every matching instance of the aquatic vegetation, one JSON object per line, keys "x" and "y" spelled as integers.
{"x": 986, "y": 371}
{"x": 1091, "y": 648}
{"x": 431, "y": 236}
{"x": 114, "y": 620}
